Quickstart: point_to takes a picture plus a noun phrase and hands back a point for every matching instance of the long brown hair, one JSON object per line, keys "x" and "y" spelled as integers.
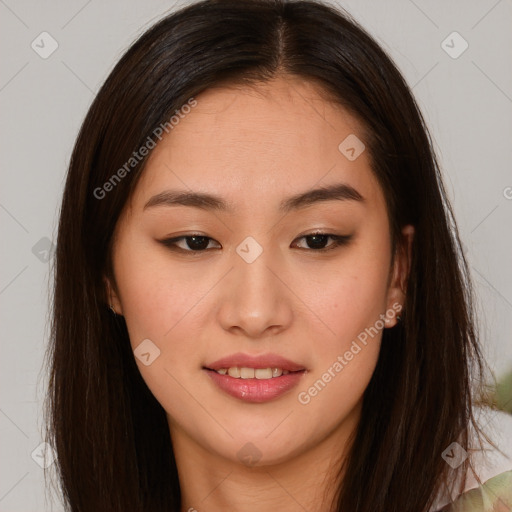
{"x": 110, "y": 434}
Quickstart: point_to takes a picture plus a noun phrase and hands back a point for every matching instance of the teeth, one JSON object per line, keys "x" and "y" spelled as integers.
{"x": 234, "y": 372}
{"x": 247, "y": 373}
{"x": 263, "y": 373}
{"x": 251, "y": 373}
{"x": 277, "y": 372}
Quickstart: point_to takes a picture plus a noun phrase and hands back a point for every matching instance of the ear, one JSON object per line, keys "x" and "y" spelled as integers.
{"x": 112, "y": 296}
{"x": 400, "y": 275}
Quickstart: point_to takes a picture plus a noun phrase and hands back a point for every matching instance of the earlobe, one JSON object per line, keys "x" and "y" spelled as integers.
{"x": 401, "y": 270}
{"x": 112, "y": 299}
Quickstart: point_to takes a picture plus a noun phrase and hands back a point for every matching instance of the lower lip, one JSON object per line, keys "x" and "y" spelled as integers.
{"x": 256, "y": 390}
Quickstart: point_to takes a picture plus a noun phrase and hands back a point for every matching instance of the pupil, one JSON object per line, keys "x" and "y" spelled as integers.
{"x": 320, "y": 241}
{"x": 203, "y": 242}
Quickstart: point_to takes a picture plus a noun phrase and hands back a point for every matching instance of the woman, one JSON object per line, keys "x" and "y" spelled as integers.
{"x": 260, "y": 294}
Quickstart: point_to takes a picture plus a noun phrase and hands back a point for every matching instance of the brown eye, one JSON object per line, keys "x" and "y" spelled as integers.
{"x": 192, "y": 243}
{"x": 318, "y": 241}
{"x": 195, "y": 243}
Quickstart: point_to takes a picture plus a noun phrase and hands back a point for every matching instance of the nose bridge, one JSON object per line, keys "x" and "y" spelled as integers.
{"x": 256, "y": 298}
{"x": 254, "y": 263}
{"x": 254, "y": 279}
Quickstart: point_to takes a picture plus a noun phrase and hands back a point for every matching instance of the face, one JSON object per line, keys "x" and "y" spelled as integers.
{"x": 220, "y": 293}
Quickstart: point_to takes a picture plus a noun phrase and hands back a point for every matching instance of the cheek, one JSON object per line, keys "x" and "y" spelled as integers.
{"x": 345, "y": 358}
{"x": 352, "y": 296}
{"x": 154, "y": 297}
{"x": 155, "y": 301}
{"x": 161, "y": 305}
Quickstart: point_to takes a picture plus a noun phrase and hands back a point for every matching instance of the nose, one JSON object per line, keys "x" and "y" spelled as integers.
{"x": 256, "y": 301}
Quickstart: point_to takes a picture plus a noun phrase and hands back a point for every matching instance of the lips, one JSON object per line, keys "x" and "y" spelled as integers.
{"x": 255, "y": 386}
{"x": 241, "y": 360}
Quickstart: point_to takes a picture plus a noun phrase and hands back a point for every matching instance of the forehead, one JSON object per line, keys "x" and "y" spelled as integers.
{"x": 254, "y": 145}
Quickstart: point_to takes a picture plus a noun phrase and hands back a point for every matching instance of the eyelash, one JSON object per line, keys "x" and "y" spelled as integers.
{"x": 338, "y": 241}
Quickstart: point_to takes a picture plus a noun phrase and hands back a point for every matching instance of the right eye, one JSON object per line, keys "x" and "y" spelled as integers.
{"x": 191, "y": 243}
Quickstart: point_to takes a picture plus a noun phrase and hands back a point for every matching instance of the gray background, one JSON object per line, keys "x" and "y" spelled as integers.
{"x": 467, "y": 102}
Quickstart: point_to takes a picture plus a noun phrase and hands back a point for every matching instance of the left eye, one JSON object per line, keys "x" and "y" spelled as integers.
{"x": 199, "y": 243}
{"x": 318, "y": 241}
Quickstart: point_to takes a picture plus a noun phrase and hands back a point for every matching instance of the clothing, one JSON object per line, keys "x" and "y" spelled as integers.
{"x": 493, "y": 466}
{"x": 495, "y": 495}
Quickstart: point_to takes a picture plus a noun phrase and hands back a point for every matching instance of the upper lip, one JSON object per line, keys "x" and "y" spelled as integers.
{"x": 261, "y": 361}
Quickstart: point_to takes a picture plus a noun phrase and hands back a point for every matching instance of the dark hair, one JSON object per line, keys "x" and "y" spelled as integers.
{"x": 110, "y": 434}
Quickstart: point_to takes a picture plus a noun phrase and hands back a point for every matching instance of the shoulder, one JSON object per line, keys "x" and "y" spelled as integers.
{"x": 489, "y": 488}
{"x": 492, "y": 496}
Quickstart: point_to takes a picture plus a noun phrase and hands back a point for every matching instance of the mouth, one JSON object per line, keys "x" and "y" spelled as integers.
{"x": 255, "y": 379}
{"x": 245, "y": 372}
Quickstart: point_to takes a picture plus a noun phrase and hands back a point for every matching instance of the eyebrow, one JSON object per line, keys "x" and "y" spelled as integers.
{"x": 336, "y": 192}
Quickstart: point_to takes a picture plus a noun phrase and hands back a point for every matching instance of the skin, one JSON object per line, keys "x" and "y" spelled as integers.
{"x": 256, "y": 146}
